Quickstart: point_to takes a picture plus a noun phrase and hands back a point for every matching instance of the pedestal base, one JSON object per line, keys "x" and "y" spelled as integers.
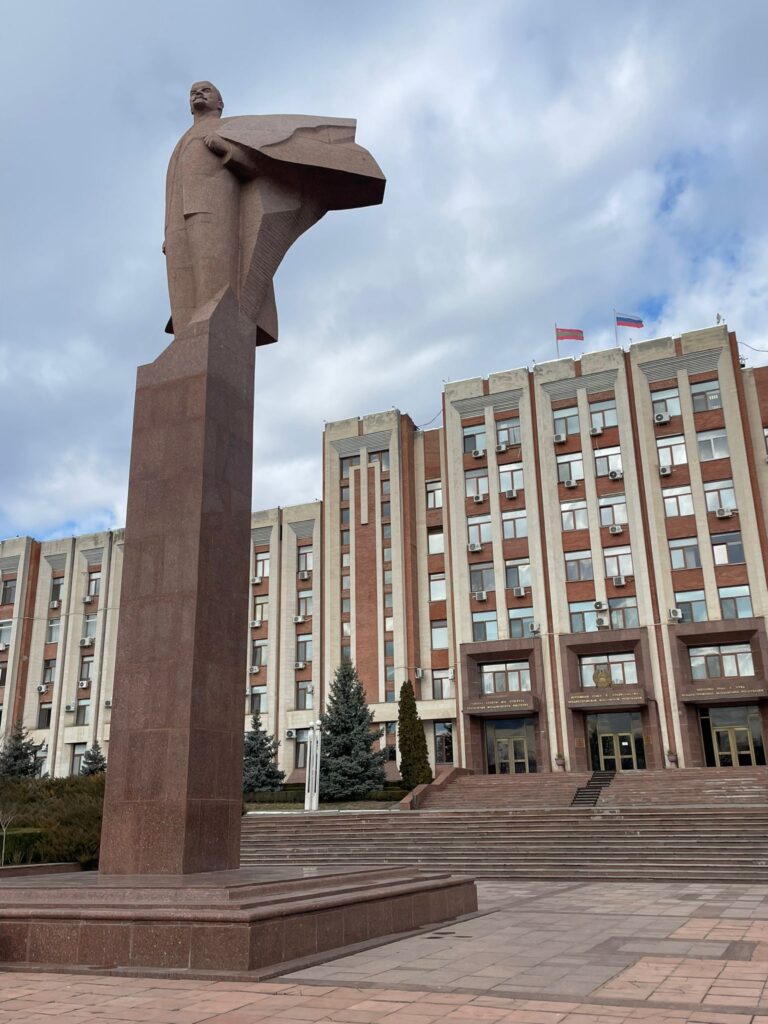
{"x": 217, "y": 921}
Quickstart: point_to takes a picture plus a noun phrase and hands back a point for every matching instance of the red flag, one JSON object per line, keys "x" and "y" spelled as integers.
{"x": 568, "y": 334}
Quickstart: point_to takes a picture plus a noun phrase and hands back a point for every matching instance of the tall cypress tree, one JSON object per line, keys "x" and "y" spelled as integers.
{"x": 349, "y": 766}
{"x": 414, "y": 759}
{"x": 17, "y": 756}
{"x": 94, "y": 762}
{"x": 260, "y": 771}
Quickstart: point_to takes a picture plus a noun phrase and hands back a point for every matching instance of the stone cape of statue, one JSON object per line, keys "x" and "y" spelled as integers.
{"x": 240, "y": 190}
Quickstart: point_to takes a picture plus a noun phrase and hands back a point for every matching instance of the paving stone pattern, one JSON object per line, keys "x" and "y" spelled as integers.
{"x": 537, "y": 953}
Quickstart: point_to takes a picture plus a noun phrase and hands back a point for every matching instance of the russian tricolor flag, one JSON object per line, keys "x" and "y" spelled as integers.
{"x": 624, "y": 320}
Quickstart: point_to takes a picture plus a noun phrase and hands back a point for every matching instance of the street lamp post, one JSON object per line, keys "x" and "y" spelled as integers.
{"x": 312, "y": 785}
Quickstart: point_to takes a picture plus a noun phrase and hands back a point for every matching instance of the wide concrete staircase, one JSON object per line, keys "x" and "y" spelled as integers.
{"x": 474, "y": 792}
{"x": 684, "y": 839}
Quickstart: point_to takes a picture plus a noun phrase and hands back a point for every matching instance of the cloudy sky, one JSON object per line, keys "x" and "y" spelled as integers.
{"x": 545, "y": 162}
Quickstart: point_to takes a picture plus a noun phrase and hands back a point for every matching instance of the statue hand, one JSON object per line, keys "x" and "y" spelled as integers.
{"x": 216, "y": 144}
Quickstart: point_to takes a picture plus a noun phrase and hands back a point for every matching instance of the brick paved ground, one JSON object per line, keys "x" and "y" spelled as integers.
{"x": 539, "y": 953}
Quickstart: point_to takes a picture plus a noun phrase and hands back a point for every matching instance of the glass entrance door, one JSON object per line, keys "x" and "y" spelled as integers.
{"x": 617, "y": 752}
{"x": 510, "y": 745}
{"x": 511, "y": 756}
{"x": 733, "y": 747}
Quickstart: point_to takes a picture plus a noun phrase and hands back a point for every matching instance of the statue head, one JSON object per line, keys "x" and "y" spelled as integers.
{"x": 205, "y": 98}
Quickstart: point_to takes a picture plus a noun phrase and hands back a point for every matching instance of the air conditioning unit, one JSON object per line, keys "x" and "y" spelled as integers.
{"x": 598, "y": 605}
{"x": 615, "y": 530}
{"x": 255, "y": 580}
{"x": 256, "y": 623}
{"x": 70, "y": 709}
{"x": 619, "y": 581}
{"x": 304, "y": 574}
{"x": 297, "y": 619}
{"x": 474, "y": 547}
{"x": 84, "y": 684}
{"x": 534, "y": 628}
{"x": 299, "y": 665}
{"x": 451, "y": 674}
{"x": 108, "y": 703}
{"x": 602, "y": 623}
{"x": 419, "y": 673}
{"x": 501, "y": 448}
{"x": 511, "y": 495}
{"x": 54, "y": 604}
{"x": 290, "y": 734}
{"x": 255, "y": 669}
{"x": 661, "y": 418}
{"x": 595, "y": 431}
{"x": 86, "y": 641}
{"x": 569, "y": 484}
{"x": 478, "y": 498}
{"x": 665, "y": 471}
{"x": 676, "y": 614}
{"x": 3, "y": 647}
{"x": 480, "y": 595}
{"x": 724, "y": 513}
{"x": 478, "y": 453}
{"x": 616, "y": 474}
{"x": 560, "y": 438}
{"x": 518, "y": 591}
{"x": 42, "y": 688}
{"x": 88, "y": 599}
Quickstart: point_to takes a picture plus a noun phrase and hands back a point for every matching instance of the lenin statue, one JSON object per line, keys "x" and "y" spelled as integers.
{"x": 240, "y": 190}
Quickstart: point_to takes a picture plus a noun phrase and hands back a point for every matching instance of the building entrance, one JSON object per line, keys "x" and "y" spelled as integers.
{"x": 732, "y": 737}
{"x": 616, "y": 742}
{"x": 510, "y": 746}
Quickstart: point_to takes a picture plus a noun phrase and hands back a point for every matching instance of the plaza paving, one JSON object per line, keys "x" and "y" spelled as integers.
{"x": 537, "y": 953}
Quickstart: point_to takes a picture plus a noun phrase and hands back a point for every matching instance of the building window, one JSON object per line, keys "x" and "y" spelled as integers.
{"x": 389, "y": 745}
{"x": 442, "y": 684}
{"x": 678, "y": 501}
{"x": 305, "y": 603}
{"x": 727, "y": 548}
{"x": 386, "y": 554}
{"x": 258, "y": 700}
{"x": 262, "y": 564}
{"x": 621, "y": 668}
{"x": 385, "y": 488}
{"x": 261, "y": 608}
{"x": 344, "y": 538}
{"x": 474, "y": 438}
{"x": 570, "y": 467}
{"x": 3, "y": 674}
{"x": 583, "y": 616}
{"x": 719, "y": 494}
{"x": 304, "y": 648}
{"x": 603, "y": 414}
{"x": 389, "y": 648}
{"x": 444, "y": 742}
{"x": 57, "y": 588}
{"x": 7, "y": 624}
{"x": 671, "y": 451}
{"x": 693, "y": 605}
{"x": 51, "y": 633}
{"x": 304, "y": 695}
{"x": 511, "y": 676}
{"x": 387, "y": 577}
{"x": 735, "y": 602}
{"x": 382, "y": 458}
{"x": 476, "y": 483}
{"x": 86, "y": 670}
{"x": 302, "y": 740}
{"x": 684, "y": 553}
{"x": 346, "y": 606}
{"x": 618, "y": 561}
{"x": 517, "y": 573}
{"x": 94, "y": 584}
{"x": 439, "y": 633}
{"x": 624, "y": 614}
{"x": 484, "y": 626}
{"x": 386, "y": 531}
{"x": 508, "y": 432}
{"x": 346, "y": 629}
{"x": 481, "y": 576}
{"x": 44, "y": 716}
{"x": 305, "y": 559}
{"x": 437, "y": 586}
{"x": 608, "y": 460}
{"x": 386, "y": 510}
{"x": 389, "y": 673}
{"x": 344, "y": 493}
{"x": 389, "y": 623}
{"x": 83, "y": 713}
{"x": 346, "y": 652}
{"x": 347, "y": 463}
{"x": 89, "y": 625}
{"x": 712, "y": 444}
{"x": 346, "y": 582}
{"x": 479, "y": 529}
{"x": 706, "y": 396}
{"x": 565, "y": 421}
{"x": 613, "y": 510}
{"x": 574, "y": 515}
{"x": 435, "y": 542}
{"x": 434, "y": 493}
{"x": 259, "y": 653}
{"x": 345, "y": 517}
{"x": 578, "y": 565}
{"x": 721, "y": 662}
{"x": 346, "y": 560}
{"x": 49, "y": 671}
{"x": 76, "y": 760}
{"x": 520, "y": 622}
{"x": 511, "y": 477}
{"x": 8, "y": 592}
{"x": 388, "y": 599}
{"x": 666, "y": 402}
{"x": 514, "y": 524}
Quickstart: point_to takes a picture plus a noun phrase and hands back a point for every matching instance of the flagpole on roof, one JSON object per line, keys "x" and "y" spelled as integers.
{"x": 616, "y": 328}
{"x": 557, "y": 342}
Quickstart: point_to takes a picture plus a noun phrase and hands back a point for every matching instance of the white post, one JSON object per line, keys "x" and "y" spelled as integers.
{"x": 316, "y": 780}
{"x": 310, "y": 770}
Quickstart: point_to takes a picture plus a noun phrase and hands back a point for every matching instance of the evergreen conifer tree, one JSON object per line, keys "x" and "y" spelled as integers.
{"x": 17, "y": 756}
{"x": 414, "y": 760}
{"x": 349, "y": 766}
{"x": 94, "y": 762}
{"x": 260, "y": 771}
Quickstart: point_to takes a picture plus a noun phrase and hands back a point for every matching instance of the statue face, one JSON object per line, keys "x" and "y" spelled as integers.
{"x": 204, "y": 97}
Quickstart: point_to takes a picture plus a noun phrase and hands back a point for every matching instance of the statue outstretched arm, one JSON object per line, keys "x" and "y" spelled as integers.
{"x": 242, "y": 162}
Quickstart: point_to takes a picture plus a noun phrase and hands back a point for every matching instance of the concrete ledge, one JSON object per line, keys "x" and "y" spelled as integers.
{"x": 413, "y": 801}
{"x": 14, "y": 870}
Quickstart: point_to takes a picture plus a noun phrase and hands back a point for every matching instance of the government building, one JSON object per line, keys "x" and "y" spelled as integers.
{"x": 571, "y": 571}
